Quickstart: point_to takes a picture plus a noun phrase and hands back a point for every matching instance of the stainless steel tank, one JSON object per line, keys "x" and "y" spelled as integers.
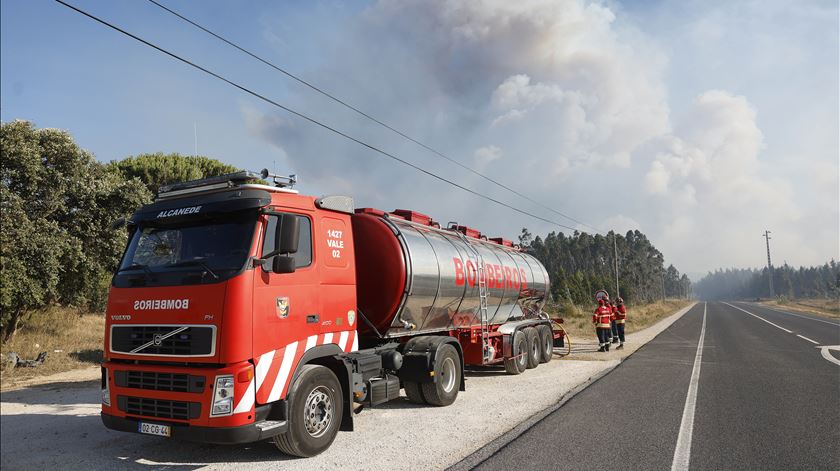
{"x": 434, "y": 272}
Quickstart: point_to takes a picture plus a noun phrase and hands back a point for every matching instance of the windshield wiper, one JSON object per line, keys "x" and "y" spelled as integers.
{"x": 137, "y": 266}
{"x": 196, "y": 261}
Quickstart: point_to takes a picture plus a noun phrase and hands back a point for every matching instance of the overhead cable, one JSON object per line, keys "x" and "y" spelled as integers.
{"x": 309, "y": 119}
{"x": 365, "y": 114}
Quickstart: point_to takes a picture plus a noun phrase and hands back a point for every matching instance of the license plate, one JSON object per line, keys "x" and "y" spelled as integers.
{"x": 154, "y": 429}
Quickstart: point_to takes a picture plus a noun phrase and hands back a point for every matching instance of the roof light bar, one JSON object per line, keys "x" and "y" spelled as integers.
{"x": 228, "y": 179}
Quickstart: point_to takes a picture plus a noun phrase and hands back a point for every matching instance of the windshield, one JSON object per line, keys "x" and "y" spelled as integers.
{"x": 204, "y": 251}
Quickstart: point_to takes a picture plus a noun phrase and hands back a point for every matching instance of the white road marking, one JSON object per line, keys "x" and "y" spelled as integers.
{"x": 824, "y": 350}
{"x": 806, "y": 338}
{"x": 682, "y": 453}
{"x": 804, "y": 317}
{"x": 758, "y": 317}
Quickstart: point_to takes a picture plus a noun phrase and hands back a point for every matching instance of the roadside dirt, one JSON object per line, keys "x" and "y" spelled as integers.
{"x": 73, "y": 376}
{"x": 57, "y": 425}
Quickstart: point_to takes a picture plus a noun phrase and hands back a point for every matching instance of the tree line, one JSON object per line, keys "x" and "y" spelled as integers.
{"x": 57, "y": 205}
{"x": 742, "y": 283}
{"x": 57, "y": 245}
{"x": 582, "y": 263}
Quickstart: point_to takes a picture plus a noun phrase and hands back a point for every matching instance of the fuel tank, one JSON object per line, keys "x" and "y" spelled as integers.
{"x": 413, "y": 277}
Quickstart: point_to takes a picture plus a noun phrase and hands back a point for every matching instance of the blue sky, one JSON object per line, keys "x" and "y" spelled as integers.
{"x": 698, "y": 122}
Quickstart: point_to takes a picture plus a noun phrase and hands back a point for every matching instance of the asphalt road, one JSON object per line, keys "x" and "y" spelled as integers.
{"x": 765, "y": 398}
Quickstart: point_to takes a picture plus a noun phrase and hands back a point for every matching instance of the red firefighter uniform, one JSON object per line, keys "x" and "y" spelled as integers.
{"x": 601, "y": 318}
{"x": 614, "y": 311}
{"x": 620, "y": 316}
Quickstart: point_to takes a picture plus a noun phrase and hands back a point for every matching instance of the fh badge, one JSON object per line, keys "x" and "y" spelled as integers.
{"x": 282, "y": 307}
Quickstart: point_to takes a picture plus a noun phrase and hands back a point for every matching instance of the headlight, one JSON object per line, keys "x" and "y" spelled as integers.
{"x": 222, "y": 396}
{"x": 106, "y": 391}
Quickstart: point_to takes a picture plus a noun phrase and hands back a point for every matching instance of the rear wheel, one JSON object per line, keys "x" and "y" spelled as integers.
{"x": 315, "y": 412}
{"x": 518, "y": 361}
{"x": 444, "y": 390}
{"x": 413, "y": 392}
{"x": 547, "y": 343}
{"x": 534, "y": 349}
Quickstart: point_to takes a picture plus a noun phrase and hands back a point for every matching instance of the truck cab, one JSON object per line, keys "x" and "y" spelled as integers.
{"x": 224, "y": 287}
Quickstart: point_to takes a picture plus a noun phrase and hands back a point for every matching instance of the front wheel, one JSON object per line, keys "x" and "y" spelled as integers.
{"x": 315, "y": 412}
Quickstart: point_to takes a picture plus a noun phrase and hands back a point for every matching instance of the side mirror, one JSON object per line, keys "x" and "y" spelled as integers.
{"x": 287, "y": 235}
{"x": 283, "y": 264}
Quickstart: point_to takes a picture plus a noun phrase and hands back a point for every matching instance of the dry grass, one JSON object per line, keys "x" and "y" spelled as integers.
{"x": 821, "y": 306}
{"x": 77, "y": 337}
{"x": 578, "y": 321}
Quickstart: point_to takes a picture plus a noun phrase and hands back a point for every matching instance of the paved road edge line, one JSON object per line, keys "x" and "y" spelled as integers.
{"x": 810, "y": 317}
{"x": 682, "y": 452}
{"x": 491, "y": 448}
{"x": 759, "y": 318}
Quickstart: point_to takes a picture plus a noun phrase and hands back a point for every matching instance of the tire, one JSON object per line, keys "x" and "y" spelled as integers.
{"x": 318, "y": 392}
{"x": 534, "y": 348}
{"x": 517, "y": 364}
{"x": 448, "y": 373}
{"x": 413, "y": 392}
{"x": 546, "y": 342}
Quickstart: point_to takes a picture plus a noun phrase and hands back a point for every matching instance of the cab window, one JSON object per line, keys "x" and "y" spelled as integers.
{"x": 303, "y": 257}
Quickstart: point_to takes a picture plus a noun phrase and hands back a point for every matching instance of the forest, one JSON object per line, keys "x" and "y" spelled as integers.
{"x": 789, "y": 282}
{"x": 582, "y": 263}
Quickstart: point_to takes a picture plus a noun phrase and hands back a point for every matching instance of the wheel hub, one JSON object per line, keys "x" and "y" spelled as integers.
{"x": 447, "y": 374}
{"x": 318, "y": 411}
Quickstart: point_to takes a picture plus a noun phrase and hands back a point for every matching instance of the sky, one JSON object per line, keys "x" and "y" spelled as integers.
{"x": 699, "y": 123}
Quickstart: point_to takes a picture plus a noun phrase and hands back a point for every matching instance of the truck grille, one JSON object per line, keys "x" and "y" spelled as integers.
{"x": 155, "y": 381}
{"x": 156, "y": 340}
{"x": 160, "y": 408}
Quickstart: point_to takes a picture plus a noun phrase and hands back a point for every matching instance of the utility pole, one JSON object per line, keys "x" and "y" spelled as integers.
{"x": 663, "y": 286}
{"x": 769, "y": 263}
{"x": 615, "y": 248}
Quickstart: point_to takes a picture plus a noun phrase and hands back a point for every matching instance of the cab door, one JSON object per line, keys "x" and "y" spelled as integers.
{"x": 286, "y": 305}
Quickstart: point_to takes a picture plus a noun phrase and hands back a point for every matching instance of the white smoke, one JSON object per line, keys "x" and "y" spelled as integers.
{"x": 558, "y": 98}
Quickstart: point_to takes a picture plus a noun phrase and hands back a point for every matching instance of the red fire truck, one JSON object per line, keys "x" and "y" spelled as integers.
{"x": 243, "y": 312}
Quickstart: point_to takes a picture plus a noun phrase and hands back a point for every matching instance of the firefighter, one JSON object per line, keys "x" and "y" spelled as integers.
{"x": 620, "y": 317}
{"x": 601, "y": 319}
{"x": 613, "y": 327}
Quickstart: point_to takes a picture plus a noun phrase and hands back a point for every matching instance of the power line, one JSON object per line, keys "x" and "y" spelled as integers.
{"x": 365, "y": 114}
{"x": 307, "y": 118}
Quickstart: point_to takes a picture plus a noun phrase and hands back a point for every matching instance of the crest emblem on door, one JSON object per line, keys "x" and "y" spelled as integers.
{"x": 282, "y": 307}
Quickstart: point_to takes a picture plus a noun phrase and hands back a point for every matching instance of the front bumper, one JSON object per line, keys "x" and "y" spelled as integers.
{"x": 253, "y": 432}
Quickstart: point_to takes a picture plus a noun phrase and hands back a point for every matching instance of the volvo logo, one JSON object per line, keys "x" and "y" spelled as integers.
{"x": 158, "y": 340}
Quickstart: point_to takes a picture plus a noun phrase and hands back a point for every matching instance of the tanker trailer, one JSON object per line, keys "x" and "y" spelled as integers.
{"x": 415, "y": 279}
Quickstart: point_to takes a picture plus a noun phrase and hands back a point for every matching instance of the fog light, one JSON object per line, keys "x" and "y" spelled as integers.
{"x": 222, "y": 396}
